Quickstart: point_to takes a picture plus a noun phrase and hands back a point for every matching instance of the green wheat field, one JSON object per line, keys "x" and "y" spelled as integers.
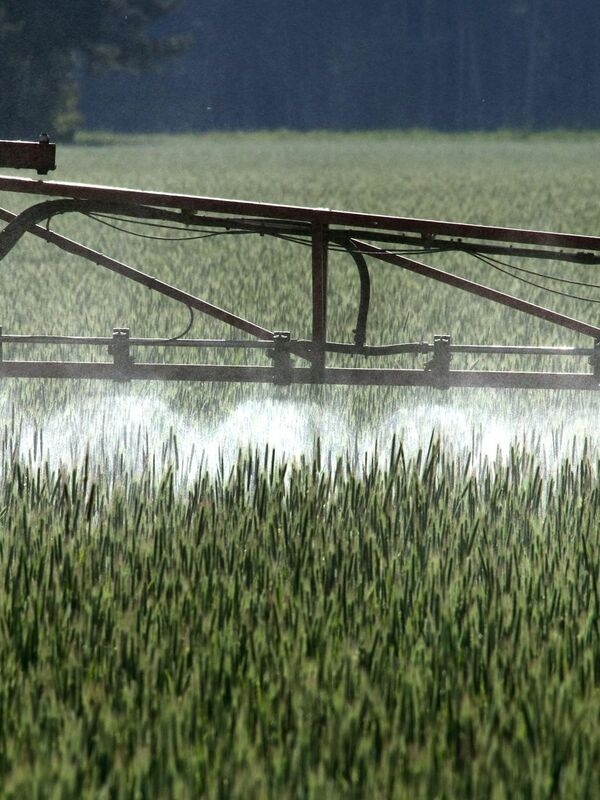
{"x": 224, "y": 591}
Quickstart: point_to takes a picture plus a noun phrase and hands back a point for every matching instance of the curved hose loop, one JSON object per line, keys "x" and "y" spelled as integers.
{"x": 360, "y": 332}
{"x": 42, "y": 212}
{"x": 32, "y": 216}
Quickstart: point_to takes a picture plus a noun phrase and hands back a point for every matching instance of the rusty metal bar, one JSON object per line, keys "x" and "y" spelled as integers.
{"x": 319, "y": 293}
{"x": 183, "y": 202}
{"x": 479, "y": 290}
{"x": 166, "y": 289}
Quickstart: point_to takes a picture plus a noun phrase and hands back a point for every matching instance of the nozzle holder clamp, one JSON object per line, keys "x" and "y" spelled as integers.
{"x": 119, "y": 349}
{"x": 439, "y": 365}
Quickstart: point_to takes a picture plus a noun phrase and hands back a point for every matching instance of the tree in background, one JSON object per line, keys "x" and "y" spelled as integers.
{"x": 44, "y": 45}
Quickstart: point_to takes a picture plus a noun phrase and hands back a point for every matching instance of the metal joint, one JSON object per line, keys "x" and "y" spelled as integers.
{"x": 439, "y": 365}
{"x": 119, "y": 350}
{"x": 280, "y": 355}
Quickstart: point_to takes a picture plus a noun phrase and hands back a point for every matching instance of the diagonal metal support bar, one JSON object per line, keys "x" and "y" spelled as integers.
{"x": 22, "y": 223}
{"x": 478, "y": 289}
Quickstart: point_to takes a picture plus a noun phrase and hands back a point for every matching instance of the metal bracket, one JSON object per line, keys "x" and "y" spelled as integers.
{"x": 594, "y": 359}
{"x": 40, "y": 155}
{"x": 119, "y": 350}
{"x": 280, "y": 354}
{"x": 440, "y": 363}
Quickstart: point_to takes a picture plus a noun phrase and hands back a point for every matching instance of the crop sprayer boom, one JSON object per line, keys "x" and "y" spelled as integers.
{"x": 367, "y": 238}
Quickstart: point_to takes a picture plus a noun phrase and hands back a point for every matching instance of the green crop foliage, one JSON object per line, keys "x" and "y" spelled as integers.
{"x": 394, "y": 610}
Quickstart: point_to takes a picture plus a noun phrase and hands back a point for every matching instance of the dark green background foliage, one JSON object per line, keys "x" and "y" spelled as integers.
{"x": 441, "y": 64}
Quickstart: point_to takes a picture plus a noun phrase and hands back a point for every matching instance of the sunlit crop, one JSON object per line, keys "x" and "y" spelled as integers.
{"x": 223, "y": 591}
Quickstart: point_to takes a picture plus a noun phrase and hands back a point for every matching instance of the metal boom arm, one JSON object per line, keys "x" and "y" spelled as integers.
{"x": 360, "y": 235}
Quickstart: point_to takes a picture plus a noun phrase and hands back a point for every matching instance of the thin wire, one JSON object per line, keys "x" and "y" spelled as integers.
{"x": 338, "y": 248}
{"x": 186, "y": 331}
{"x": 205, "y": 234}
{"x": 532, "y": 283}
{"x": 188, "y": 237}
{"x": 102, "y": 219}
{"x": 500, "y": 266}
{"x": 99, "y": 216}
{"x": 391, "y": 251}
{"x": 496, "y": 261}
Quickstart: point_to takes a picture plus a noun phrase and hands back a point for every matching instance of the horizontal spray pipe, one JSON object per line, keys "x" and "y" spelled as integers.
{"x": 299, "y": 347}
{"x": 301, "y": 375}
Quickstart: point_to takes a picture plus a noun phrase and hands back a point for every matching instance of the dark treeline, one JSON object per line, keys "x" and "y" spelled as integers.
{"x": 440, "y": 64}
